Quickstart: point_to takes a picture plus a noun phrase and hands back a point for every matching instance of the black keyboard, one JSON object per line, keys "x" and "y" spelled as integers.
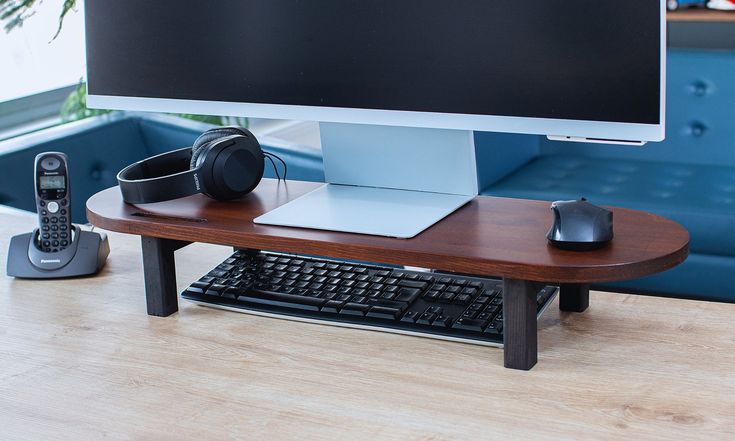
{"x": 430, "y": 304}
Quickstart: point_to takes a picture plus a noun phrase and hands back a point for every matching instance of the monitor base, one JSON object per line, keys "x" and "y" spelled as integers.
{"x": 366, "y": 210}
{"x": 385, "y": 181}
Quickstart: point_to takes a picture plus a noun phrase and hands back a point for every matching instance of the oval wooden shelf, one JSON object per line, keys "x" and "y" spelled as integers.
{"x": 489, "y": 236}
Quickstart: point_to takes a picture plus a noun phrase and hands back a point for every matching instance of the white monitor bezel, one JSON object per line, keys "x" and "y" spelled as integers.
{"x": 601, "y": 131}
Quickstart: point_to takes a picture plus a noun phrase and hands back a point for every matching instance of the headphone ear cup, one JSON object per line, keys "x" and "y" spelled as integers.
{"x": 196, "y": 151}
{"x": 206, "y": 138}
{"x": 233, "y": 170}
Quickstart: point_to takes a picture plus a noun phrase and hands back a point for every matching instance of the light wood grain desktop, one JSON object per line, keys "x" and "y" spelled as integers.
{"x": 81, "y": 360}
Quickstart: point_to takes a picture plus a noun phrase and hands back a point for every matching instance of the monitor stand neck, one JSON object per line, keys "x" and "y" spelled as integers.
{"x": 387, "y": 181}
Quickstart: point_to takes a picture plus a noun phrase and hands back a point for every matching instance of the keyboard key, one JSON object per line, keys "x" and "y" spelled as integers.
{"x": 470, "y": 324}
{"x": 282, "y": 300}
{"x": 354, "y": 309}
{"x": 492, "y": 330}
{"x": 432, "y": 296}
{"x": 332, "y": 306}
{"x": 231, "y": 293}
{"x": 447, "y": 297}
{"x": 470, "y": 314}
{"x": 408, "y": 294}
{"x": 426, "y": 318}
{"x": 469, "y": 291}
{"x": 463, "y": 299}
{"x": 388, "y": 304}
{"x": 383, "y": 312}
{"x": 410, "y": 317}
{"x": 442, "y": 321}
{"x": 413, "y": 284}
{"x": 388, "y": 295}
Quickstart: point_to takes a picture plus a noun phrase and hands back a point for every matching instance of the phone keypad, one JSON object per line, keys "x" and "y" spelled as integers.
{"x": 54, "y": 225}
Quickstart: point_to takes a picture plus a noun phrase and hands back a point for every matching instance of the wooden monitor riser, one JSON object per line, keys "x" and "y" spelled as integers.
{"x": 488, "y": 237}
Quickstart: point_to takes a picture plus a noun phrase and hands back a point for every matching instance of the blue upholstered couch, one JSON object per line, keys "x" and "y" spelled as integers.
{"x": 689, "y": 178}
{"x": 100, "y": 147}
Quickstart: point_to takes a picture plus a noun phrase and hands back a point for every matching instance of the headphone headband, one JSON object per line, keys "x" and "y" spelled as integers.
{"x": 159, "y": 178}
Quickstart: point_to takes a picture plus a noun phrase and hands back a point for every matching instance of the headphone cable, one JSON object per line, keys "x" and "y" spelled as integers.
{"x": 285, "y": 167}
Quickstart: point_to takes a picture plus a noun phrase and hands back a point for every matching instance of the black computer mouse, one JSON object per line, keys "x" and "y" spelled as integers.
{"x": 580, "y": 226}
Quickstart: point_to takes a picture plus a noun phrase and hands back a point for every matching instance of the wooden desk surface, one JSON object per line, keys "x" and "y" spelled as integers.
{"x": 80, "y": 359}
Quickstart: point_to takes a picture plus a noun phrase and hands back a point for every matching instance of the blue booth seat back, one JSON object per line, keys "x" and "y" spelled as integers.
{"x": 700, "y": 115}
{"x": 98, "y": 148}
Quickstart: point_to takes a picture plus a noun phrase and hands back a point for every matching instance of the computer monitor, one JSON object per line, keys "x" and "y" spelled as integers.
{"x": 397, "y": 85}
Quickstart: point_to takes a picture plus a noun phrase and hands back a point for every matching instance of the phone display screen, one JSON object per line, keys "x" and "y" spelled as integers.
{"x": 52, "y": 182}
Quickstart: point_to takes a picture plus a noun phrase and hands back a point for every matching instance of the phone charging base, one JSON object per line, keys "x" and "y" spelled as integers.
{"x": 85, "y": 255}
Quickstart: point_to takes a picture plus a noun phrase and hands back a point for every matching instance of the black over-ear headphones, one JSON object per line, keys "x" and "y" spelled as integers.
{"x": 224, "y": 163}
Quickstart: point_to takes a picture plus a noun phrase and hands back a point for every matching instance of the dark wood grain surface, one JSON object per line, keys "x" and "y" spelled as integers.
{"x": 489, "y": 236}
{"x": 701, "y": 15}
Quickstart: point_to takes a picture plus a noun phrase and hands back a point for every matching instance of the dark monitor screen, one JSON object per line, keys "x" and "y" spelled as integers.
{"x": 559, "y": 59}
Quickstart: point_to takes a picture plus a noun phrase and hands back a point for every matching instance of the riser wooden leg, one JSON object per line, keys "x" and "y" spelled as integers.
{"x": 574, "y": 297}
{"x": 519, "y": 324}
{"x": 159, "y": 270}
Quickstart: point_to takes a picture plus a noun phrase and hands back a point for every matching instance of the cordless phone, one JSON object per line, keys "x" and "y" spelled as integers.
{"x": 53, "y": 201}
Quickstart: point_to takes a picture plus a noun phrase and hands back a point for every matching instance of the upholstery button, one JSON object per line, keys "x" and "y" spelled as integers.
{"x": 662, "y": 194}
{"x": 699, "y": 88}
{"x": 697, "y": 129}
{"x": 96, "y": 174}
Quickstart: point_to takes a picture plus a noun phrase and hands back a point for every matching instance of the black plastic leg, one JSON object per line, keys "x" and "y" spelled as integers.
{"x": 574, "y": 297}
{"x": 159, "y": 271}
{"x": 519, "y": 323}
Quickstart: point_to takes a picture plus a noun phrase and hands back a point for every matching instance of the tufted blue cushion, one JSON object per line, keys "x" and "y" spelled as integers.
{"x": 700, "y": 197}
